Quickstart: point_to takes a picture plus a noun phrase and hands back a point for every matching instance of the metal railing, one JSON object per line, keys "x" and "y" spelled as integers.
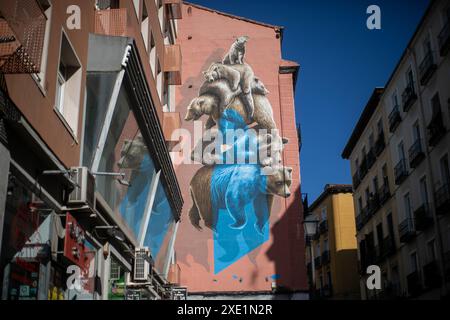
{"x": 427, "y": 67}
{"x": 409, "y": 96}
{"x": 394, "y": 119}
{"x": 416, "y": 154}
{"x": 400, "y": 172}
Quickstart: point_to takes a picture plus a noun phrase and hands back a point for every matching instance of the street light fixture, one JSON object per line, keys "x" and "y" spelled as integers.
{"x": 310, "y": 224}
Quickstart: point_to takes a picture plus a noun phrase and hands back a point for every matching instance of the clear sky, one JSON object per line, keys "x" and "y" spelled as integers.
{"x": 341, "y": 63}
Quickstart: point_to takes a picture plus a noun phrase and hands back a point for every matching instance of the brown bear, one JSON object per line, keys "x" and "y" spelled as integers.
{"x": 232, "y": 187}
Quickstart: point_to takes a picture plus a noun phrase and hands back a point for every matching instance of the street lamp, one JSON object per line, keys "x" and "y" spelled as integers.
{"x": 310, "y": 224}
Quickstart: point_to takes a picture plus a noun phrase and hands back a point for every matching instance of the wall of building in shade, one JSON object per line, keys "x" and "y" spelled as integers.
{"x": 276, "y": 260}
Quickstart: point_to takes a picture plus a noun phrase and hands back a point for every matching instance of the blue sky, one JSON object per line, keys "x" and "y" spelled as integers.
{"x": 341, "y": 63}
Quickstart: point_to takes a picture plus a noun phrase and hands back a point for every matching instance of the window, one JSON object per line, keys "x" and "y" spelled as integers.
{"x": 367, "y": 192}
{"x": 68, "y": 85}
{"x": 410, "y": 79}
{"x": 431, "y": 250}
{"x": 394, "y": 99}
{"x": 401, "y": 151}
{"x": 159, "y": 79}
{"x": 407, "y": 204}
{"x": 436, "y": 105}
{"x": 380, "y": 126}
{"x": 380, "y": 235}
{"x": 136, "y": 5}
{"x": 326, "y": 246}
{"x": 323, "y": 214}
{"x": 385, "y": 175}
{"x": 424, "y": 190}
{"x": 160, "y": 13}
{"x": 413, "y": 262}
{"x": 375, "y": 184}
{"x": 371, "y": 140}
{"x": 390, "y": 225}
{"x": 152, "y": 54}
{"x": 107, "y": 4}
{"x": 416, "y": 132}
{"x": 145, "y": 25}
{"x": 445, "y": 171}
{"x": 166, "y": 94}
{"x": 41, "y": 76}
{"x": 426, "y": 46}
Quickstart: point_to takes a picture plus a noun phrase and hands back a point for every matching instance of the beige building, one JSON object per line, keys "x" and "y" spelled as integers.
{"x": 402, "y": 193}
{"x": 332, "y": 255}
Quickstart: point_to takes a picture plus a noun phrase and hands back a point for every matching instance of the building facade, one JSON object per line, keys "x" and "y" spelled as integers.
{"x": 229, "y": 262}
{"x": 89, "y": 199}
{"x": 401, "y": 192}
{"x": 331, "y": 255}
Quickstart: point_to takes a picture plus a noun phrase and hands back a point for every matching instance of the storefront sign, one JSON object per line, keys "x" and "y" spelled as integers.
{"x": 74, "y": 242}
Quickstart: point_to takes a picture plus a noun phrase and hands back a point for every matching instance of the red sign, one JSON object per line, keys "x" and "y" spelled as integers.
{"x": 74, "y": 242}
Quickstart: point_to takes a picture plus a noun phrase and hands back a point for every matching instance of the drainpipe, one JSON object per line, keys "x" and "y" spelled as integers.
{"x": 437, "y": 230}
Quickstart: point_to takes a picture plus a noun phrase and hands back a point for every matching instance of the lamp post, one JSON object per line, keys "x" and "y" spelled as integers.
{"x": 310, "y": 224}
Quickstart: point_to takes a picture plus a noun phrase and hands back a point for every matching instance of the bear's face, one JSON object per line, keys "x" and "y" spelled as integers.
{"x": 259, "y": 87}
{"x": 213, "y": 73}
{"x": 279, "y": 181}
{"x": 241, "y": 41}
{"x": 195, "y": 109}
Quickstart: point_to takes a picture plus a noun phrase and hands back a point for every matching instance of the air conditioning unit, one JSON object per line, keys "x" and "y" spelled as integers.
{"x": 84, "y": 192}
{"x": 141, "y": 264}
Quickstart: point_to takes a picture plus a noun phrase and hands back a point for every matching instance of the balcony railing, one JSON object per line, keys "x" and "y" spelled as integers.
{"x": 414, "y": 284}
{"x": 323, "y": 227}
{"x": 384, "y": 193}
{"x": 406, "y": 230}
{"x": 172, "y": 63}
{"x": 436, "y": 130}
{"x": 380, "y": 144}
{"x": 423, "y": 217}
{"x": 318, "y": 263}
{"x": 111, "y": 22}
{"x": 444, "y": 40}
{"x": 416, "y": 154}
{"x": 431, "y": 275}
{"x": 400, "y": 172}
{"x": 174, "y": 8}
{"x": 409, "y": 96}
{"x": 325, "y": 257}
{"x": 22, "y": 32}
{"x": 442, "y": 198}
{"x": 427, "y": 67}
{"x": 394, "y": 119}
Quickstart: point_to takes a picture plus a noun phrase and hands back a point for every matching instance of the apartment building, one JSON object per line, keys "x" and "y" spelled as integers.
{"x": 331, "y": 252}
{"x": 87, "y": 183}
{"x": 403, "y": 226}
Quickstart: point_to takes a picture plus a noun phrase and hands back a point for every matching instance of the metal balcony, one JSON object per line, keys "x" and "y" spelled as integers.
{"x": 373, "y": 204}
{"x": 409, "y": 96}
{"x": 22, "y": 33}
{"x": 416, "y": 154}
{"x": 427, "y": 68}
{"x": 384, "y": 194}
{"x": 400, "y": 172}
{"x": 436, "y": 129}
{"x": 444, "y": 40}
{"x": 431, "y": 275}
{"x": 394, "y": 119}
{"x": 442, "y": 199}
{"x": 406, "y": 230}
{"x": 380, "y": 144}
{"x": 111, "y": 22}
{"x": 423, "y": 217}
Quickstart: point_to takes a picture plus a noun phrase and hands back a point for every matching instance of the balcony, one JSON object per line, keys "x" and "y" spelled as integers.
{"x": 380, "y": 144}
{"x": 384, "y": 194}
{"x": 373, "y": 204}
{"x": 436, "y": 130}
{"x": 431, "y": 275}
{"x": 325, "y": 257}
{"x": 444, "y": 40}
{"x": 416, "y": 154}
{"x": 400, "y": 172}
{"x": 422, "y": 217}
{"x": 409, "y": 96}
{"x": 371, "y": 158}
{"x": 111, "y": 22}
{"x": 172, "y": 63}
{"x": 427, "y": 68}
{"x": 442, "y": 198}
{"x": 414, "y": 284}
{"x": 323, "y": 227}
{"x": 406, "y": 230}
{"x": 22, "y": 32}
{"x": 171, "y": 122}
{"x": 394, "y": 119}
{"x": 174, "y": 9}
{"x": 317, "y": 263}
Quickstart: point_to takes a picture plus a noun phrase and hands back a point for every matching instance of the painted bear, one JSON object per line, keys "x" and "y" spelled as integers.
{"x": 236, "y": 54}
{"x": 209, "y": 104}
{"x": 238, "y": 75}
{"x": 256, "y": 147}
{"x": 232, "y": 187}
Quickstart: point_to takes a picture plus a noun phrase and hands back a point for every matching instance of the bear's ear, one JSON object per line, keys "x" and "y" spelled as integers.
{"x": 200, "y": 102}
{"x": 289, "y": 170}
{"x": 285, "y": 140}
